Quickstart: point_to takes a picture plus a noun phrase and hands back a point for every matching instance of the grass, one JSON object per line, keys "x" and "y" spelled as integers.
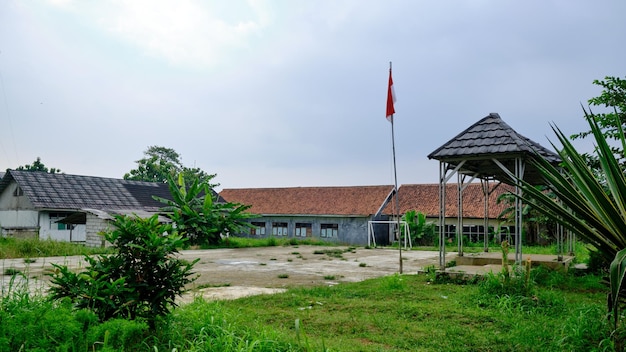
{"x": 335, "y": 253}
{"x": 581, "y": 250}
{"x": 31, "y": 248}
{"x": 393, "y": 313}
{"x": 246, "y": 242}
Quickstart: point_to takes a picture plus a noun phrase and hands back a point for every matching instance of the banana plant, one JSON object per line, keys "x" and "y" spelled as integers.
{"x": 589, "y": 203}
{"x": 198, "y": 215}
{"x": 421, "y": 231}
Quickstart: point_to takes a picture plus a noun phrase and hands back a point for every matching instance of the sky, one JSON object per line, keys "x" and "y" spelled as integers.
{"x": 292, "y": 93}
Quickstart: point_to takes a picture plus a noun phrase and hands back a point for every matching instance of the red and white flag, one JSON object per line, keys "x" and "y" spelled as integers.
{"x": 391, "y": 99}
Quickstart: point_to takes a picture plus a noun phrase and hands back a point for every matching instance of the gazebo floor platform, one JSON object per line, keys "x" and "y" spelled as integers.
{"x": 471, "y": 264}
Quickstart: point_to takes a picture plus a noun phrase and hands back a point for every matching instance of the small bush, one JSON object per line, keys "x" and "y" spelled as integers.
{"x": 597, "y": 263}
{"x": 141, "y": 280}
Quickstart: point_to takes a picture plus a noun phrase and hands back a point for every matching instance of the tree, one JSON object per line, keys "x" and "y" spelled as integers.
{"x": 199, "y": 216}
{"x": 159, "y": 163}
{"x": 422, "y": 232}
{"x": 591, "y": 206}
{"x": 140, "y": 280}
{"x": 613, "y": 97}
{"x": 37, "y": 165}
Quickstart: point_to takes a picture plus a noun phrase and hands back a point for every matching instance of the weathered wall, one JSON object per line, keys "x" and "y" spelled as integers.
{"x": 351, "y": 230}
{"x": 17, "y": 215}
{"x": 94, "y": 226}
{"x": 49, "y": 229}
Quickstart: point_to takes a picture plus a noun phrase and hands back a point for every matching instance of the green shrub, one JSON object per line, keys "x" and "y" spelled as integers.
{"x": 35, "y": 324}
{"x": 141, "y": 280}
{"x": 597, "y": 263}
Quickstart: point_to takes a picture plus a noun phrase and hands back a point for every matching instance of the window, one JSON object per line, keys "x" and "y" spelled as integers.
{"x": 329, "y": 230}
{"x": 303, "y": 229}
{"x": 448, "y": 232}
{"x": 54, "y": 225}
{"x": 474, "y": 233}
{"x": 258, "y": 229}
{"x": 279, "y": 228}
{"x": 18, "y": 191}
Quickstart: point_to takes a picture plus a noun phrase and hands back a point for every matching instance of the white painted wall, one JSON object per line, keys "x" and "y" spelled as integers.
{"x": 50, "y": 229}
{"x": 19, "y": 218}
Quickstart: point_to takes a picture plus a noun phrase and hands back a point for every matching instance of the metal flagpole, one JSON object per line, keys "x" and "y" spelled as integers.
{"x": 395, "y": 176}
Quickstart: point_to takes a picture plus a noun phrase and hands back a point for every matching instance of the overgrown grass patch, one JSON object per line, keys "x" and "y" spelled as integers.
{"x": 246, "y": 242}
{"x": 392, "y": 313}
{"x": 31, "y": 248}
{"x": 400, "y": 312}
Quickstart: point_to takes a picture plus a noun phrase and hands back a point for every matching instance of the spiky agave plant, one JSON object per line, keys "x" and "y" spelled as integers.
{"x": 590, "y": 205}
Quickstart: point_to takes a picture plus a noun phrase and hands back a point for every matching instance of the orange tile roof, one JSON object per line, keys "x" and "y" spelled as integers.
{"x": 353, "y": 200}
{"x": 425, "y": 198}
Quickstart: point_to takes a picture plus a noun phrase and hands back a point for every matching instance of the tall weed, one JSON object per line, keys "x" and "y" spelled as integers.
{"x": 29, "y": 248}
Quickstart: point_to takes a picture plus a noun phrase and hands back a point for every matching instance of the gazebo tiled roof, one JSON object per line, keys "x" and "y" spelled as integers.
{"x": 492, "y": 139}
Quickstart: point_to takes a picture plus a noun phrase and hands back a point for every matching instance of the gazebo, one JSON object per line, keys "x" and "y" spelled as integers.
{"x": 492, "y": 152}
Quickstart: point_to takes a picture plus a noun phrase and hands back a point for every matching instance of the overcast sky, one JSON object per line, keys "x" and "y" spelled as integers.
{"x": 291, "y": 93}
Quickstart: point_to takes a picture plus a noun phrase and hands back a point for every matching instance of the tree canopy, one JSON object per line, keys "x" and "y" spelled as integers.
{"x": 613, "y": 98}
{"x": 160, "y": 163}
{"x": 37, "y": 165}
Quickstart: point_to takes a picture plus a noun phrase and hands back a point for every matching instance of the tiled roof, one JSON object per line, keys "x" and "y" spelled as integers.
{"x": 491, "y": 138}
{"x": 424, "y": 198}
{"x": 349, "y": 201}
{"x": 62, "y": 191}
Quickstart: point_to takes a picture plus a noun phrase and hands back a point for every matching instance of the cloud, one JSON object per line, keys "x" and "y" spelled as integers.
{"x": 185, "y": 33}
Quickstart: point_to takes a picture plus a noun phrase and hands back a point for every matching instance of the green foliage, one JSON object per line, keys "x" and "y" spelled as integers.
{"x": 33, "y": 247}
{"x": 591, "y": 206}
{"x": 140, "y": 280}
{"x": 198, "y": 216}
{"x": 160, "y": 163}
{"x": 37, "y": 165}
{"x": 118, "y": 334}
{"x": 597, "y": 263}
{"x": 613, "y": 97}
{"x": 422, "y": 232}
{"x": 346, "y": 317}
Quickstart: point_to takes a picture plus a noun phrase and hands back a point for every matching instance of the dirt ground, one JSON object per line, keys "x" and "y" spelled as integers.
{"x": 234, "y": 273}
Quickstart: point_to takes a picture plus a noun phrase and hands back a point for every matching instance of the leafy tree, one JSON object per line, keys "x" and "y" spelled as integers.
{"x": 591, "y": 206}
{"x": 141, "y": 280}
{"x": 422, "y": 232}
{"x": 159, "y": 163}
{"x": 613, "y": 97}
{"x": 37, "y": 165}
{"x": 199, "y": 216}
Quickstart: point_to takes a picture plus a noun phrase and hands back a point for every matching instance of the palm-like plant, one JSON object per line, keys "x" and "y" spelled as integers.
{"x": 198, "y": 215}
{"x": 591, "y": 206}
